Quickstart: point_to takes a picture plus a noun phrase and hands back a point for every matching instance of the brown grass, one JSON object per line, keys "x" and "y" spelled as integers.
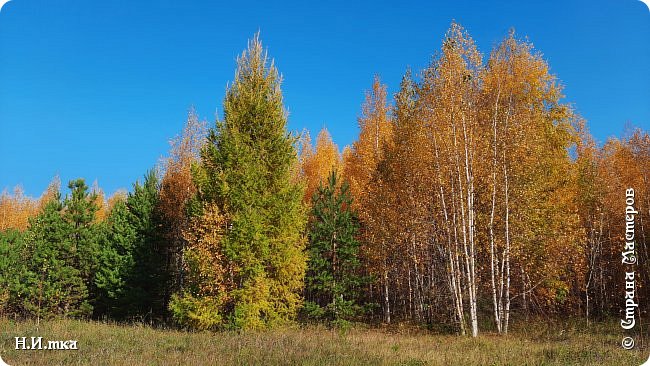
{"x": 111, "y": 344}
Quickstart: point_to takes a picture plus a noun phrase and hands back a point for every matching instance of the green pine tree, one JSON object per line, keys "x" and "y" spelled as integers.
{"x": 79, "y": 214}
{"x": 131, "y": 278}
{"x": 246, "y": 171}
{"x": 12, "y": 270}
{"x": 54, "y": 284}
{"x": 333, "y": 282}
{"x": 116, "y": 262}
{"x": 147, "y": 278}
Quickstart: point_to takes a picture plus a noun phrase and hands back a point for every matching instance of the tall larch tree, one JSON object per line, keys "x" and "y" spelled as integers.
{"x": 245, "y": 175}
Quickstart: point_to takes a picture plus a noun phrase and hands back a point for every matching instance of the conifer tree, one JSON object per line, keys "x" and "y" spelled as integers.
{"x": 79, "y": 214}
{"x": 246, "y": 171}
{"x": 132, "y": 276}
{"x": 11, "y": 269}
{"x": 54, "y": 284}
{"x": 333, "y": 281}
{"x": 208, "y": 290}
{"x": 115, "y": 261}
{"x": 147, "y": 278}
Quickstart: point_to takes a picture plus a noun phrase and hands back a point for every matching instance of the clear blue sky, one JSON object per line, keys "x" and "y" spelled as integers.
{"x": 96, "y": 89}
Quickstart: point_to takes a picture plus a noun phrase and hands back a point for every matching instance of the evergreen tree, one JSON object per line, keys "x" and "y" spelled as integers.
{"x": 148, "y": 278}
{"x": 333, "y": 281}
{"x": 246, "y": 172}
{"x": 54, "y": 284}
{"x": 131, "y": 277}
{"x": 115, "y": 261}
{"x": 80, "y": 208}
{"x": 11, "y": 269}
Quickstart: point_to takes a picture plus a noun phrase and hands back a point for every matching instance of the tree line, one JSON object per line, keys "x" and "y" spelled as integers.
{"x": 472, "y": 197}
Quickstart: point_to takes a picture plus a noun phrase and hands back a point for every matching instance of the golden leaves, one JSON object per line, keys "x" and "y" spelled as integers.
{"x": 177, "y": 186}
{"x": 16, "y": 209}
{"x": 208, "y": 270}
{"x": 317, "y": 162}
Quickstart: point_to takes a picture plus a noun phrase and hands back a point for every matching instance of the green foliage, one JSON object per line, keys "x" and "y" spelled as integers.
{"x": 246, "y": 171}
{"x": 11, "y": 270}
{"x": 333, "y": 283}
{"x": 67, "y": 264}
{"x": 468, "y": 177}
{"x": 56, "y": 275}
{"x": 115, "y": 261}
{"x": 131, "y": 274}
{"x": 79, "y": 215}
{"x": 197, "y": 312}
{"x": 147, "y": 278}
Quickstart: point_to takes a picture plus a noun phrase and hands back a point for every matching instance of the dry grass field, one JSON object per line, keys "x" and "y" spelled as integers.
{"x": 113, "y": 344}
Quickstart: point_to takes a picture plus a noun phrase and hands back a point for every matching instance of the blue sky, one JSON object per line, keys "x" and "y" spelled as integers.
{"x": 96, "y": 89}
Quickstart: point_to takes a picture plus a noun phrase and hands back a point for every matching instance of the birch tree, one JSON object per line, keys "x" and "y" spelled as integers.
{"x": 530, "y": 133}
{"x": 450, "y": 99}
{"x": 318, "y": 161}
{"x": 365, "y": 182}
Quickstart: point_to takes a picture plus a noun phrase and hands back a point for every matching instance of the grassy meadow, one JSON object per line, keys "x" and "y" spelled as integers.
{"x": 113, "y": 344}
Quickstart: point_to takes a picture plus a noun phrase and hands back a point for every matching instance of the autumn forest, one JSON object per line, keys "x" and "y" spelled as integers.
{"x": 472, "y": 199}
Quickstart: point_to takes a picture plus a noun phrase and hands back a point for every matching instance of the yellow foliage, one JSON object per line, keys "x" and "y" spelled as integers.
{"x": 317, "y": 162}
{"x": 17, "y": 209}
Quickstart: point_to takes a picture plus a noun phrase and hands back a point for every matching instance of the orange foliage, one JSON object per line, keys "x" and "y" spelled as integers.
{"x": 176, "y": 185}
{"x": 118, "y": 196}
{"x": 375, "y": 136}
{"x": 176, "y": 189}
{"x": 318, "y": 162}
{"x": 100, "y": 201}
{"x": 17, "y": 209}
